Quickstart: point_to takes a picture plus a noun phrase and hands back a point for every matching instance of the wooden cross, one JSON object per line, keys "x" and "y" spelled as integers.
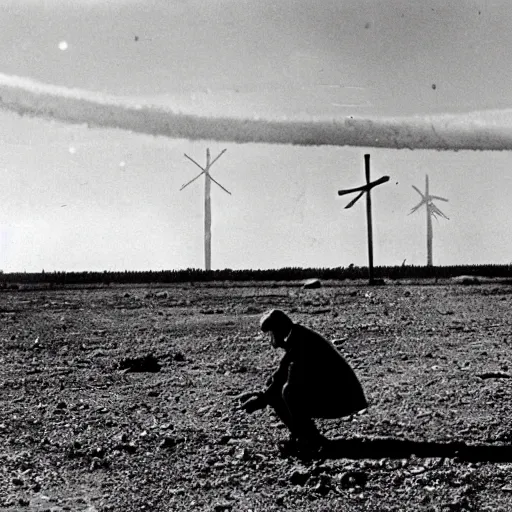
{"x": 365, "y": 189}
{"x": 207, "y": 203}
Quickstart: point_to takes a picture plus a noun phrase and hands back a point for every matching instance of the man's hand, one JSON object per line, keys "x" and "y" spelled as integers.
{"x": 254, "y": 402}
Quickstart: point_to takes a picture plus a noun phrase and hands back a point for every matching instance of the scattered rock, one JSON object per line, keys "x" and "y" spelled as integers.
{"x": 147, "y": 363}
{"x": 299, "y": 476}
{"x": 494, "y": 375}
{"x": 312, "y": 284}
{"x": 179, "y": 357}
{"x": 170, "y": 442}
{"x": 280, "y": 500}
{"x": 24, "y": 502}
{"x": 352, "y": 479}
{"x": 319, "y": 311}
{"x": 252, "y": 310}
{"x": 243, "y": 454}
{"x": 98, "y": 463}
{"x": 75, "y": 451}
{"x": 323, "y": 486}
{"x": 222, "y": 506}
{"x": 126, "y": 447}
{"x": 98, "y": 452}
{"x": 468, "y": 279}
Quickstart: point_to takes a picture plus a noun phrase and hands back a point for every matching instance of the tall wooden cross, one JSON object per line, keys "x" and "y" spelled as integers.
{"x": 207, "y": 203}
{"x": 365, "y": 189}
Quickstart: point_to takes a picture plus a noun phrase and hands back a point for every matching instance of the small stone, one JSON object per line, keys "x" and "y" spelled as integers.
{"x": 352, "y": 479}
{"x": 243, "y": 454}
{"x": 95, "y": 464}
{"x": 24, "y": 502}
{"x": 179, "y": 357}
{"x": 147, "y": 363}
{"x": 222, "y": 506}
{"x": 98, "y": 452}
{"x": 299, "y": 476}
{"x": 170, "y": 442}
{"x": 322, "y": 488}
{"x": 126, "y": 447}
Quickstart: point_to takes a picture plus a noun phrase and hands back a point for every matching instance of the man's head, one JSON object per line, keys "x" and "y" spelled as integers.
{"x": 278, "y": 324}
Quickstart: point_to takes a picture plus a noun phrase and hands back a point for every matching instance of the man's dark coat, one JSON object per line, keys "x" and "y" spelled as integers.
{"x": 315, "y": 379}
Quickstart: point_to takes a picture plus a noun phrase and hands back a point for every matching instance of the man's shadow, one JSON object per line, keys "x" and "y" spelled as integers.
{"x": 361, "y": 448}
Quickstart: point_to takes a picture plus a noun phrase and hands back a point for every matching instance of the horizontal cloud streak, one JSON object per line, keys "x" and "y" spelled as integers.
{"x": 487, "y": 130}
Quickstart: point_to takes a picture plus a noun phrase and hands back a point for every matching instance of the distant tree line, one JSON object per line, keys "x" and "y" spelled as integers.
{"x": 281, "y": 274}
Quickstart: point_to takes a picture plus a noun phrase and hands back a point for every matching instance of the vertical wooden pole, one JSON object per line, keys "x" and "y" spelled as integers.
{"x": 369, "y": 219}
{"x": 207, "y": 216}
{"x": 429, "y": 224}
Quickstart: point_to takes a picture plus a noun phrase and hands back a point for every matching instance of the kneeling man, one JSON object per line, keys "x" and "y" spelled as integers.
{"x": 313, "y": 381}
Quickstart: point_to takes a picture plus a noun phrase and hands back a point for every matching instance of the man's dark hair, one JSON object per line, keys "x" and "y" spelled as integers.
{"x": 276, "y": 320}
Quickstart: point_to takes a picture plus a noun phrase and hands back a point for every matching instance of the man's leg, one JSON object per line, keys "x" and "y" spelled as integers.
{"x": 277, "y": 403}
{"x": 304, "y": 434}
{"x": 303, "y": 425}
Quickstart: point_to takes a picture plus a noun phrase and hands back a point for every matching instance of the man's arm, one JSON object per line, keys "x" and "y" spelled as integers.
{"x": 255, "y": 401}
{"x": 297, "y": 376}
{"x": 278, "y": 379}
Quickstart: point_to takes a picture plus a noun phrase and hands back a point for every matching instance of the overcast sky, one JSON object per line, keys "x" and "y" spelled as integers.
{"x": 74, "y": 198}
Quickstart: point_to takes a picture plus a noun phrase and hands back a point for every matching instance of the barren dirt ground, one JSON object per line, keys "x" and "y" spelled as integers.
{"x": 77, "y": 432}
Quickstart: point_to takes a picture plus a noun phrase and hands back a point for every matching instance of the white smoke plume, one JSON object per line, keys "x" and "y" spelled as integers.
{"x": 486, "y": 130}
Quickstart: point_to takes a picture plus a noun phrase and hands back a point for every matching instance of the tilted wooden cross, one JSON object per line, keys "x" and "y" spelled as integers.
{"x": 365, "y": 189}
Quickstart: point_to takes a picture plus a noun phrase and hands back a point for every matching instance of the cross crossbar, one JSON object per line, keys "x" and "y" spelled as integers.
{"x": 363, "y": 188}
